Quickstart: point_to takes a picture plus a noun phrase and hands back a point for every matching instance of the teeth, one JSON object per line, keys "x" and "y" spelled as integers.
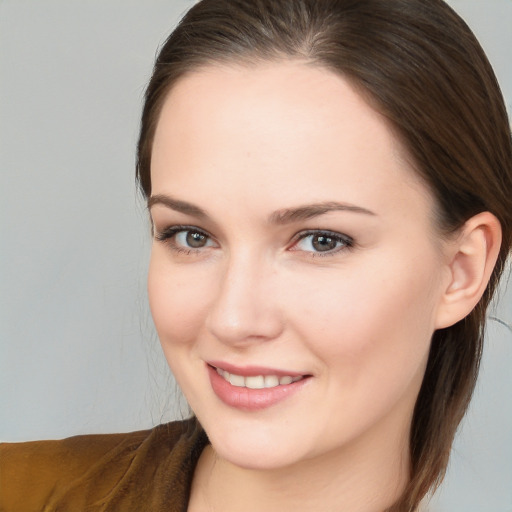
{"x": 236, "y": 380}
{"x": 271, "y": 381}
{"x": 257, "y": 381}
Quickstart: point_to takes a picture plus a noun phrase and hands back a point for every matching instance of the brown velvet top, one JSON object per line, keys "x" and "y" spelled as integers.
{"x": 149, "y": 470}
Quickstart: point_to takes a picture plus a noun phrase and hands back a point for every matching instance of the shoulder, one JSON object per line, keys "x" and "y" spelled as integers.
{"x": 98, "y": 468}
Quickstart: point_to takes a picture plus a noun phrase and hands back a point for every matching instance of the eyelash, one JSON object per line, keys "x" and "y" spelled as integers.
{"x": 346, "y": 241}
{"x": 168, "y": 236}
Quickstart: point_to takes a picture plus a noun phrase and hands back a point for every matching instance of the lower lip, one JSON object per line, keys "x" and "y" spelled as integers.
{"x": 251, "y": 399}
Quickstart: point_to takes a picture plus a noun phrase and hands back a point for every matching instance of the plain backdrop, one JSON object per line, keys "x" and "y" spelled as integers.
{"x": 78, "y": 353}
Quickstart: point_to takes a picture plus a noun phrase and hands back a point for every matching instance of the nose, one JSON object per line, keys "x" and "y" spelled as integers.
{"x": 246, "y": 308}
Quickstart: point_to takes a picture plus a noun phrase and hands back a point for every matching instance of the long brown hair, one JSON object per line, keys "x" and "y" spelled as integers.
{"x": 418, "y": 64}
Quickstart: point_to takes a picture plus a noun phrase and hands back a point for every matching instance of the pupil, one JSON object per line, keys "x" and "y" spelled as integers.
{"x": 324, "y": 243}
{"x": 195, "y": 239}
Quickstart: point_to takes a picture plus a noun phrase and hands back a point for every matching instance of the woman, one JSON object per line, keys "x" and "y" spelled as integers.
{"x": 329, "y": 186}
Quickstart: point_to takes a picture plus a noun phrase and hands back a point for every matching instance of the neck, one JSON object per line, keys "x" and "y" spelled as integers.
{"x": 366, "y": 476}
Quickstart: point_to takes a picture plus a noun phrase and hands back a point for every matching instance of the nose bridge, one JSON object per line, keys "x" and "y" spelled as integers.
{"x": 244, "y": 308}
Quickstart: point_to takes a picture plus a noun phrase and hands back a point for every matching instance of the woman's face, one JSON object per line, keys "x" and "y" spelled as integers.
{"x": 295, "y": 272}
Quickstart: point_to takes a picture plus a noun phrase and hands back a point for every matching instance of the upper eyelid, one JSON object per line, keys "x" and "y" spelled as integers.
{"x": 179, "y": 228}
{"x": 320, "y": 231}
{"x": 305, "y": 232}
{"x": 335, "y": 234}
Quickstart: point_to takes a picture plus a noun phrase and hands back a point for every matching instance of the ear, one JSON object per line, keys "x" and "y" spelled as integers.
{"x": 470, "y": 262}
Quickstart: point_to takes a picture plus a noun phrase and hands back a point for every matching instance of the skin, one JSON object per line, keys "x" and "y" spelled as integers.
{"x": 244, "y": 143}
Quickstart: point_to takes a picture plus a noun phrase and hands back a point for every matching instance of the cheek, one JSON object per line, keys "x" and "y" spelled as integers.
{"x": 177, "y": 298}
{"x": 370, "y": 335}
{"x": 371, "y": 323}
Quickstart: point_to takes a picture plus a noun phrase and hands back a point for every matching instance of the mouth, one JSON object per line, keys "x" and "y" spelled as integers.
{"x": 257, "y": 381}
{"x": 253, "y": 388}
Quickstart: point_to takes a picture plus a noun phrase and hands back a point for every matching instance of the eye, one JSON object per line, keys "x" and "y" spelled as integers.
{"x": 185, "y": 238}
{"x": 192, "y": 239}
{"x": 326, "y": 242}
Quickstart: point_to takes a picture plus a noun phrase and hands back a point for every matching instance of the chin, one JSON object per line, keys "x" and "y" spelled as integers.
{"x": 252, "y": 455}
{"x": 255, "y": 447}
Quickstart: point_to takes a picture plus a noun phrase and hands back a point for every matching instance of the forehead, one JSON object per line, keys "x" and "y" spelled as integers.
{"x": 292, "y": 129}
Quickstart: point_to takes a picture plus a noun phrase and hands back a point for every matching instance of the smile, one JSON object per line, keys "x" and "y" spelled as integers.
{"x": 257, "y": 381}
{"x": 258, "y": 389}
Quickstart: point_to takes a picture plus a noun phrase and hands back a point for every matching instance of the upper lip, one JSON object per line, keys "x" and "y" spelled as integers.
{"x": 253, "y": 371}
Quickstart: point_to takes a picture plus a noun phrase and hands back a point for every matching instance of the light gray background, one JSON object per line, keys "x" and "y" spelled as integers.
{"x": 78, "y": 351}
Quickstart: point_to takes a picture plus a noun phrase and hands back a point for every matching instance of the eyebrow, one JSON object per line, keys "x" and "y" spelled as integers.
{"x": 283, "y": 216}
{"x": 288, "y": 215}
{"x": 177, "y": 205}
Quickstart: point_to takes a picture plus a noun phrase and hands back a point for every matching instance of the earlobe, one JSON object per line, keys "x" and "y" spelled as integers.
{"x": 471, "y": 261}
